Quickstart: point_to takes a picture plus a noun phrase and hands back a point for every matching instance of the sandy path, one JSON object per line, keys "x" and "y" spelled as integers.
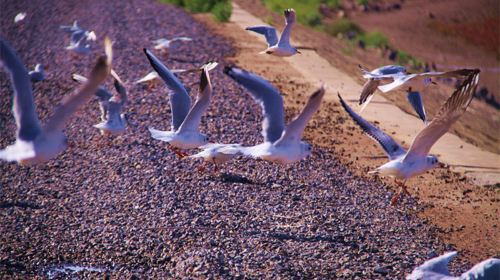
{"x": 482, "y": 166}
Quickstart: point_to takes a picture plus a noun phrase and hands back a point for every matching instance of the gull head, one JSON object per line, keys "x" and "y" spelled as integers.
{"x": 432, "y": 161}
{"x": 305, "y": 149}
{"x": 290, "y": 15}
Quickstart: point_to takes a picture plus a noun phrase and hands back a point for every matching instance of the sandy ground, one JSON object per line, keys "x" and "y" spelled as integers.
{"x": 467, "y": 214}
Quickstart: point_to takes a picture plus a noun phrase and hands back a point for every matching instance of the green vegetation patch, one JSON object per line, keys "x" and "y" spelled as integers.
{"x": 374, "y": 39}
{"x": 342, "y": 26}
{"x": 220, "y": 9}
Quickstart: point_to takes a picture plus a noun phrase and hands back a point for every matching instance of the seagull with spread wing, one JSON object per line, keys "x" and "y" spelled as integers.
{"x": 282, "y": 46}
{"x": 437, "y": 269}
{"x": 406, "y": 164}
{"x": 111, "y": 105}
{"x": 391, "y": 77}
{"x": 163, "y": 43}
{"x": 184, "y": 133}
{"x": 36, "y": 143}
{"x": 217, "y": 153}
{"x": 282, "y": 144}
{"x": 79, "y": 38}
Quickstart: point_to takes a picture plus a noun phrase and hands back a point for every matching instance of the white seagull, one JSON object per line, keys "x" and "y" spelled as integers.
{"x": 391, "y": 77}
{"x": 281, "y": 144}
{"x": 275, "y": 47}
{"x": 79, "y": 38}
{"x": 406, "y": 164}
{"x": 19, "y": 17}
{"x": 163, "y": 43}
{"x": 37, "y": 74}
{"x": 36, "y": 143}
{"x": 217, "y": 153}
{"x": 111, "y": 105}
{"x": 437, "y": 269}
{"x": 184, "y": 133}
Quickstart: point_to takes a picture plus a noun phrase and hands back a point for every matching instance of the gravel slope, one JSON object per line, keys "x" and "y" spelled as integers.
{"x": 128, "y": 206}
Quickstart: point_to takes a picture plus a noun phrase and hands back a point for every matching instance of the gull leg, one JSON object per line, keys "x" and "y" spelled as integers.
{"x": 202, "y": 168}
{"x": 216, "y": 169}
{"x": 402, "y": 189}
{"x": 179, "y": 153}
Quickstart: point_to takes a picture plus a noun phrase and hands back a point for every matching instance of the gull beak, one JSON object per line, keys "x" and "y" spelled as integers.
{"x": 434, "y": 83}
{"x": 299, "y": 52}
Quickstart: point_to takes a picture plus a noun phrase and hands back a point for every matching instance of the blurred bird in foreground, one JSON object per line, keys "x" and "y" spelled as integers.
{"x": 36, "y": 143}
{"x": 437, "y": 269}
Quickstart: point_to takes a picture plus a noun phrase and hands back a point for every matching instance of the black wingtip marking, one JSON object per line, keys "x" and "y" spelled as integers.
{"x": 203, "y": 80}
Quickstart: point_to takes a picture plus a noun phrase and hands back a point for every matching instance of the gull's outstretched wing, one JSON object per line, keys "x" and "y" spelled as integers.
{"x": 121, "y": 97}
{"x": 70, "y": 104}
{"x": 102, "y": 93}
{"x": 290, "y": 21}
{"x": 487, "y": 269}
{"x": 193, "y": 119}
{"x": 71, "y": 28}
{"x": 268, "y": 31}
{"x": 449, "y": 113}
{"x": 180, "y": 39}
{"x": 437, "y": 267}
{"x": 391, "y": 148}
{"x": 398, "y": 81}
{"x": 293, "y": 132}
{"x": 180, "y": 102}
{"x": 150, "y": 76}
{"x": 28, "y": 124}
{"x": 416, "y": 102}
{"x": 368, "y": 89}
{"x": 269, "y": 99}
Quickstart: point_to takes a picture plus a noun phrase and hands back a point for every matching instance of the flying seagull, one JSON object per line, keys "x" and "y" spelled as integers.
{"x": 391, "y": 77}
{"x": 111, "y": 105}
{"x": 437, "y": 269}
{"x": 163, "y": 43}
{"x": 217, "y": 153}
{"x": 281, "y": 144}
{"x": 79, "y": 38}
{"x": 36, "y": 143}
{"x": 282, "y": 46}
{"x": 406, "y": 164}
{"x": 19, "y": 17}
{"x": 37, "y": 74}
{"x": 184, "y": 133}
